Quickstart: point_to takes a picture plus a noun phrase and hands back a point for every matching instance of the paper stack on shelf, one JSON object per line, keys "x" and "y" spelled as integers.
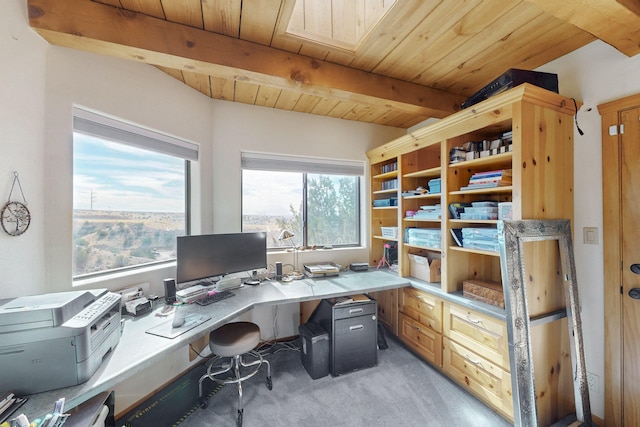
{"x": 489, "y": 179}
{"x": 428, "y": 212}
{"x": 322, "y": 269}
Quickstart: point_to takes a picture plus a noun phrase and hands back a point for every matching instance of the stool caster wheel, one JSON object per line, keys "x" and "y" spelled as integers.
{"x": 239, "y": 421}
{"x": 204, "y": 403}
{"x": 269, "y": 383}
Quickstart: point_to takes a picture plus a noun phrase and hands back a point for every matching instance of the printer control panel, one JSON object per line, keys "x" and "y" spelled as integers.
{"x": 94, "y": 311}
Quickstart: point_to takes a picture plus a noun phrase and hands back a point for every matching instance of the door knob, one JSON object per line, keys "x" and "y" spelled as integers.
{"x": 634, "y": 293}
{"x": 635, "y": 268}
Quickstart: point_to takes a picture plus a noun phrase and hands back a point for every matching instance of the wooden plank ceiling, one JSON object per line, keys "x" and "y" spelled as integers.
{"x": 390, "y": 62}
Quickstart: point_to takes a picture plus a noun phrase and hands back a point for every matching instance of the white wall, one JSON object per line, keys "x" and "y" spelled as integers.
{"x": 22, "y": 147}
{"x": 594, "y": 74}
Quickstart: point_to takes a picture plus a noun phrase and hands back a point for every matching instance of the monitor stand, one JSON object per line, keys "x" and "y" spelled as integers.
{"x": 253, "y": 280}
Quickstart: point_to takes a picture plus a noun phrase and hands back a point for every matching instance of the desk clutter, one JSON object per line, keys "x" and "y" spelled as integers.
{"x": 9, "y": 404}
{"x": 54, "y": 419}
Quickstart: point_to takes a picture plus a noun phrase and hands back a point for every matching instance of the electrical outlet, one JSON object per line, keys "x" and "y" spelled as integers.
{"x": 593, "y": 382}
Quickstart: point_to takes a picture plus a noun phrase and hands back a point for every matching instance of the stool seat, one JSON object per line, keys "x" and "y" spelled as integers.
{"x": 234, "y": 338}
{"x": 234, "y": 341}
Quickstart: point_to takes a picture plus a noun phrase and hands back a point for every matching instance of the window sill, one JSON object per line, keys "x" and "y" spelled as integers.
{"x": 126, "y": 278}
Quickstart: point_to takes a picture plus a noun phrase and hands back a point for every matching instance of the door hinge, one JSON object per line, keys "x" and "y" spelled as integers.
{"x": 621, "y": 290}
{"x": 613, "y": 130}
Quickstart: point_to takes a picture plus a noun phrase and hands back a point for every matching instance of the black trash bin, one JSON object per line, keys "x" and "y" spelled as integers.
{"x": 315, "y": 349}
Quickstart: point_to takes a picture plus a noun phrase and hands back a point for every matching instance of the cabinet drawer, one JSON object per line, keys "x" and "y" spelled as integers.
{"x": 487, "y": 380}
{"x": 354, "y": 310}
{"x": 421, "y": 306}
{"x": 482, "y": 334}
{"x": 422, "y": 339}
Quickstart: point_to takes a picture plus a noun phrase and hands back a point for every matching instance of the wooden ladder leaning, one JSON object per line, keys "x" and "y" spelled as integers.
{"x": 511, "y": 236}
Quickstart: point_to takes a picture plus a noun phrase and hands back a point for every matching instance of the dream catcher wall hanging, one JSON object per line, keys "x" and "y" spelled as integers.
{"x": 15, "y": 216}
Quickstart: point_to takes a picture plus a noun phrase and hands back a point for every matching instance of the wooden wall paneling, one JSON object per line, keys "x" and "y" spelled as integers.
{"x": 480, "y": 29}
{"x": 382, "y": 41}
{"x": 188, "y": 12}
{"x": 436, "y": 23}
{"x": 306, "y": 103}
{"x": 246, "y": 92}
{"x": 222, "y": 88}
{"x": 259, "y": 18}
{"x": 198, "y": 81}
{"x": 222, "y": 17}
{"x": 287, "y": 100}
{"x": 148, "y": 7}
{"x": 267, "y": 96}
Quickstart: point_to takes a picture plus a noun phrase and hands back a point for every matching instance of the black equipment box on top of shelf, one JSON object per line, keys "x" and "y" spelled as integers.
{"x": 315, "y": 350}
{"x": 352, "y": 325}
{"x": 510, "y": 79}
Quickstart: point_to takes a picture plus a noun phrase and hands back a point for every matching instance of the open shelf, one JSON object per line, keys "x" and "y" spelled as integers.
{"x": 497, "y": 161}
{"x": 426, "y": 173}
{"x": 389, "y": 191}
{"x": 386, "y": 175}
{"x": 496, "y": 190}
{"x": 474, "y": 251}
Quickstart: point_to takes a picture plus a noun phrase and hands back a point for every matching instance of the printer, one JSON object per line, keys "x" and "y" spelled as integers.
{"x": 56, "y": 340}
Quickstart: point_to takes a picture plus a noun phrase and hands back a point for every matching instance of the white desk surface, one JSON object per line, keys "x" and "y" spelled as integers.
{"x": 138, "y": 349}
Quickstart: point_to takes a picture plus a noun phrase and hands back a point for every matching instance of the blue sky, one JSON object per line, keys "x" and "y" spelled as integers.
{"x": 125, "y": 178}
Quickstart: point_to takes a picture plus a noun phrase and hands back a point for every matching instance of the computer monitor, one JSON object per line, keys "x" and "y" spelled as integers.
{"x": 212, "y": 255}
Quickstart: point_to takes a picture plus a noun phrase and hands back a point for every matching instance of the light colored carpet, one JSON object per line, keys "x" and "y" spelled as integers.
{"x": 401, "y": 391}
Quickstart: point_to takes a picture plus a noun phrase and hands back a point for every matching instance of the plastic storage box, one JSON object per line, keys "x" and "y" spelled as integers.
{"x": 315, "y": 350}
{"x": 389, "y": 232}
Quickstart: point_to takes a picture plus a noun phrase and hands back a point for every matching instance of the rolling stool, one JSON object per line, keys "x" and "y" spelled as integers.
{"x": 234, "y": 340}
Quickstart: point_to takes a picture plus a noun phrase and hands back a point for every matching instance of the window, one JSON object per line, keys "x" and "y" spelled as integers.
{"x": 130, "y": 194}
{"x": 317, "y": 200}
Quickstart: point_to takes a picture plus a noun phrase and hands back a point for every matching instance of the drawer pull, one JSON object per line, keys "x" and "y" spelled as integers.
{"x": 355, "y": 327}
{"x": 475, "y": 362}
{"x": 413, "y": 326}
{"x": 421, "y": 298}
{"x": 472, "y": 320}
{"x": 356, "y": 310}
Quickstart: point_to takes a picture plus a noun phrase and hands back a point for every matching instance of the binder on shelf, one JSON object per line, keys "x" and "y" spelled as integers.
{"x": 457, "y": 235}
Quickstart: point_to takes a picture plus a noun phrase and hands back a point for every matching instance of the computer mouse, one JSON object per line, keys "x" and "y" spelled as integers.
{"x": 178, "y": 319}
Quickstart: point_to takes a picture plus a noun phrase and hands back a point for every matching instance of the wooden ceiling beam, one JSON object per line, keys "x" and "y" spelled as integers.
{"x": 615, "y": 22}
{"x": 100, "y": 28}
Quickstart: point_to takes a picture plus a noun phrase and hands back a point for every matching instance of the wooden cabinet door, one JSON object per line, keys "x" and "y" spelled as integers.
{"x": 630, "y": 209}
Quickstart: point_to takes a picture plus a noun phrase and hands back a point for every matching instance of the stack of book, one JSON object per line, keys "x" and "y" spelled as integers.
{"x": 489, "y": 179}
{"x": 9, "y": 403}
{"x": 428, "y": 213}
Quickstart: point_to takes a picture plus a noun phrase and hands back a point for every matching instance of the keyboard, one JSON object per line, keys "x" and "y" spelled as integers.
{"x": 215, "y": 297}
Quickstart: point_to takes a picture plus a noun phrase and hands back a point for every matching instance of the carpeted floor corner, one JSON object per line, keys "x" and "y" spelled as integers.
{"x": 401, "y": 391}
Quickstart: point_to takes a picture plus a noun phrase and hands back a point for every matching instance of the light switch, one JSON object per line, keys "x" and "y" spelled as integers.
{"x": 590, "y": 235}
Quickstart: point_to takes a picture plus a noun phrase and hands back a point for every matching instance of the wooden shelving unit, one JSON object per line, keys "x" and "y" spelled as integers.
{"x": 541, "y": 160}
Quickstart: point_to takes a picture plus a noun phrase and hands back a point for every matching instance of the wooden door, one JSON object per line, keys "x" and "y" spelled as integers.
{"x": 630, "y": 236}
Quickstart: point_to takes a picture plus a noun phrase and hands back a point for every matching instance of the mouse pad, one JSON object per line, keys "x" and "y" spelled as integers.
{"x": 167, "y": 331}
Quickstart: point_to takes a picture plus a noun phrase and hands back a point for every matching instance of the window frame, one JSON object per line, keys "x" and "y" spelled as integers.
{"x": 118, "y": 131}
{"x": 305, "y": 166}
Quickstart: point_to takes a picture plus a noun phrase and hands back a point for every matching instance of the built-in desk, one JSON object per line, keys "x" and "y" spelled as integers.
{"x": 138, "y": 349}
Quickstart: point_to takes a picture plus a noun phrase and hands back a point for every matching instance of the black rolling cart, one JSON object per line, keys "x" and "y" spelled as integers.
{"x": 352, "y": 325}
